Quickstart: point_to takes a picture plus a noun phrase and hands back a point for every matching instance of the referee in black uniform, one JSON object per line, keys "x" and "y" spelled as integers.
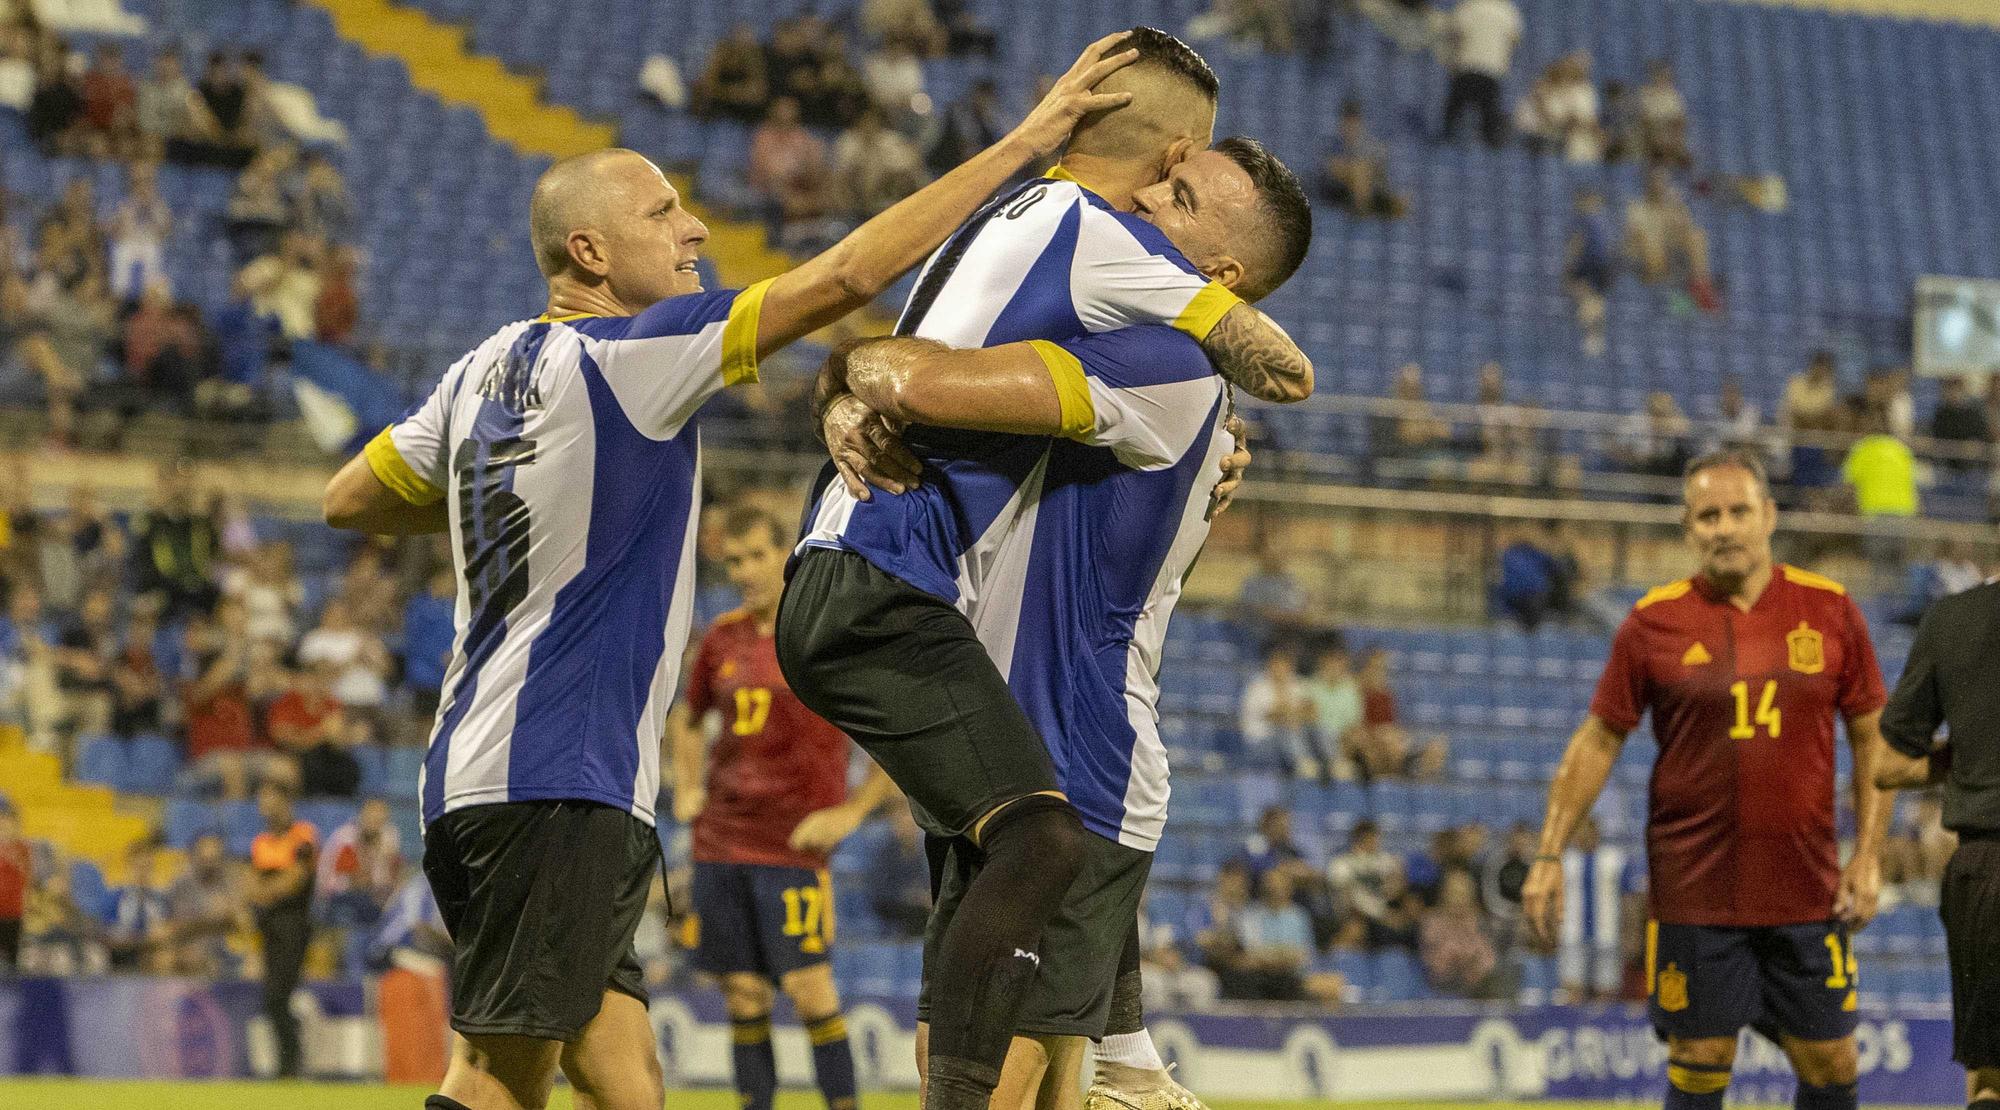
{"x": 1953, "y": 679}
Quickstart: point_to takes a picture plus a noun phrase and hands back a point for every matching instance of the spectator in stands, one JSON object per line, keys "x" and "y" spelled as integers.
{"x": 732, "y": 84}
{"x": 964, "y": 34}
{"x": 1221, "y": 939}
{"x": 1375, "y": 902}
{"x": 1589, "y": 949}
{"x": 1501, "y": 875}
{"x": 77, "y": 549}
{"x": 270, "y": 591}
{"x": 284, "y": 286}
{"x": 138, "y": 689}
{"x": 1355, "y": 175}
{"x": 1253, "y": 24}
{"x": 72, "y": 335}
{"x": 1383, "y": 748}
{"x": 1480, "y": 37}
{"x": 1538, "y": 577}
{"x": 1271, "y": 848}
{"x": 110, "y": 105}
{"x": 901, "y": 893}
{"x": 1591, "y": 268}
{"x": 790, "y": 65}
{"x": 1656, "y": 441}
{"x": 1413, "y": 432}
{"x": 428, "y": 629}
{"x": 975, "y": 122}
{"x": 308, "y": 723}
{"x": 1661, "y": 236}
{"x": 1167, "y": 980}
{"x": 1337, "y": 712}
{"x": 1915, "y": 854}
{"x": 337, "y": 312}
{"x": 1458, "y": 955}
{"x": 222, "y": 740}
{"x": 17, "y": 68}
{"x": 1559, "y": 114}
{"x": 59, "y": 936}
{"x": 283, "y": 858}
{"x": 27, "y": 668}
{"x": 1276, "y": 712}
{"x": 206, "y": 905}
{"x": 1278, "y": 946}
{"x": 258, "y": 215}
{"x": 361, "y": 663}
{"x": 55, "y": 112}
{"x": 842, "y": 93}
{"x": 1887, "y": 391}
{"x": 167, "y": 110}
{"x": 140, "y": 913}
{"x": 1272, "y": 595}
{"x": 176, "y": 543}
{"x": 263, "y": 124}
{"x": 362, "y": 866}
{"x": 1738, "y": 426}
{"x": 368, "y": 587}
{"x": 1882, "y": 472}
{"x": 894, "y": 78}
{"x": 226, "y": 95}
{"x": 323, "y": 208}
{"x": 1624, "y": 134}
{"x": 908, "y": 24}
{"x": 1961, "y": 420}
{"x": 1663, "y": 118}
{"x": 85, "y": 657}
{"x": 874, "y": 167}
{"x": 1811, "y": 411}
{"x": 788, "y": 173}
{"x": 139, "y": 232}
{"x": 17, "y": 877}
{"x": 1409, "y": 23}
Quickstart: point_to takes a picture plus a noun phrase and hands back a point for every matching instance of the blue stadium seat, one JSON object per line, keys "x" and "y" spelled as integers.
{"x": 102, "y": 760}
{"x": 153, "y": 763}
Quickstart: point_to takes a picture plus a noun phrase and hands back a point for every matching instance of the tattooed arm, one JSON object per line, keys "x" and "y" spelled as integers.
{"x": 1251, "y": 350}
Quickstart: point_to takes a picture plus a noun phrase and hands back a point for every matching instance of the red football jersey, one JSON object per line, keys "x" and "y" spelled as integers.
{"x": 1740, "y": 827}
{"x": 774, "y": 760}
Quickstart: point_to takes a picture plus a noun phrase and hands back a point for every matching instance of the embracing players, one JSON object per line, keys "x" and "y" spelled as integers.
{"x": 771, "y": 808}
{"x": 563, "y": 457}
{"x": 1745, "y": 668}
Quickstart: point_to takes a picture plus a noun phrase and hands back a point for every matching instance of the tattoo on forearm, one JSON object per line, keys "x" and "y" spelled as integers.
{"x": 1252, "y": 351}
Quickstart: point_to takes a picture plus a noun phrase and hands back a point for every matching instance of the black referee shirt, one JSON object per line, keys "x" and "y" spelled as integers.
{"x": 1953, "y": 678}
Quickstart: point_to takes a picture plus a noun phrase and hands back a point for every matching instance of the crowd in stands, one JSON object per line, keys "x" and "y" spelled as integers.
{"x": 88, "y": 316}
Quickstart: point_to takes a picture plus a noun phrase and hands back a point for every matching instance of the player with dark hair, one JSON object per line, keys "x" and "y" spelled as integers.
{"x": 771, "y": 807}
{"x": 1014, "y": 625}
{"x": 1745, "y": 667}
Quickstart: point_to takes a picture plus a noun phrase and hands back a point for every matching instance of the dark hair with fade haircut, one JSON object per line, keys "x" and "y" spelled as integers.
{"x": 1726, "y": 458}
{"x": 743, "y": 518}
{"x": 1158, "y": 48}
{"x": 1286, "y": 211}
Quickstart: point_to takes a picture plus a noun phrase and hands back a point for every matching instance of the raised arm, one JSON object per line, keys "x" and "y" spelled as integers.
{"x": 860, "y": 267}
{"x": 1580, "y": 778}
{"x": 1254, "y": 353}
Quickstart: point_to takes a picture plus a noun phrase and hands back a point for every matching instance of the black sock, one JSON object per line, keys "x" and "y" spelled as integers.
{"x": 1984, "y": 1104}
{"x": 987, "y": 959}
{"x": 833, "y": 1061}
{"x": 440, "y": 1102}
{"x": 1837, "y": 1096}
{"x": 756, "y": 1066}
{"x": 1128, "y": 1012}
{"x": 1695, "y": 1086}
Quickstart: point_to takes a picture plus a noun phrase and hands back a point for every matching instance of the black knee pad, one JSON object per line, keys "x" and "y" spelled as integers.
{"x": 1039, "y": 827}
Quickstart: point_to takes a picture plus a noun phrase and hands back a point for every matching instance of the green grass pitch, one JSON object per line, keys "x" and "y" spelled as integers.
{"x": 87, "y": 1094}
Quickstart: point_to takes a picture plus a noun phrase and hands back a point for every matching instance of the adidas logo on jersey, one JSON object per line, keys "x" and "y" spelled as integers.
{"x": 1697, "y": 656}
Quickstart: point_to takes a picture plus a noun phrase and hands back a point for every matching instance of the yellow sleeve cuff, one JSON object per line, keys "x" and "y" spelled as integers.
{"x": 388, "y": 465}
{"x": 1206, "y": 310}
{"x": 1079, "y": 413}
{"x": 739, "y": 335}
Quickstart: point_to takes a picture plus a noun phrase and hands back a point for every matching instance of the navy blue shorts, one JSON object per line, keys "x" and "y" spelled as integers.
{"x": 1711, "y": 981}
{"x": 765, "y": 920}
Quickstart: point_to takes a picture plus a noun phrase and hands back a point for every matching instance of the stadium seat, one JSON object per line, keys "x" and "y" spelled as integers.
{"x": 102, "y": 760}
{"x": 153, "y": 763}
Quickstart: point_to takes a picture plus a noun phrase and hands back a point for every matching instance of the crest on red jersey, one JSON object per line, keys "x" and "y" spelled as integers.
{"x": 1807, "y": 653}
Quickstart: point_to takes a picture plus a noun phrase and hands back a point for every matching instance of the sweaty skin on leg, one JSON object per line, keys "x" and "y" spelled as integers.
{"x": 1823, "y": 1063}
{"x": 812, "y": 992}
{"x": 746, "y": 994}
{"x": 1061, "y": 1084}
{"x": 615, "y": 1063}
{"x": 1021, "y": 1076}
{"x": 501, "y": 1072}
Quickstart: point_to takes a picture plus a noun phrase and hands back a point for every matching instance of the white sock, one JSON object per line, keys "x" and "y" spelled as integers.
{"x": 1134, "y": 1050}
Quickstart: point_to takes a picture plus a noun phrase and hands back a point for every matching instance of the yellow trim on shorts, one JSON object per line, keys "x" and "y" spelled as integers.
{"x": 739, "y": 335}
{"x": 1079, "y": 412}
{"x": 1652, "y": 957}
{"x": 1206, "y": 310}
{"x": 826, "y": 905}
{"x": 388, "y": 465}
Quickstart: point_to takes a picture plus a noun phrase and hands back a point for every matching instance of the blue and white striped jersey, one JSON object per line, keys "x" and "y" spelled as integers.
{"x": 1048, "y": 260}
{"x": 572, "y": 465}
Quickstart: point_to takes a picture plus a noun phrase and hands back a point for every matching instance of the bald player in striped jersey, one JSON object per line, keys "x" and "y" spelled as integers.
{"x": 562, "y": 457}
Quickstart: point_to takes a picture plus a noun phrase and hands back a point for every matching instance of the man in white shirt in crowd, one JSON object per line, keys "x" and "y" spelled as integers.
{"x": 1480, "y": 36}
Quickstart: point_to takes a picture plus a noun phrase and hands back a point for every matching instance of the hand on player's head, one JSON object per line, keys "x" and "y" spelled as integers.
{"x": 1237, "y": 212}
{"x": 1076, "y": 96}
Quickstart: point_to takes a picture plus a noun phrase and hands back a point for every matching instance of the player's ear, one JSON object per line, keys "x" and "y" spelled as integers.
{"x": 1224, "y": 270}
{"x": 586, "y": 250}
{"x": 1177, "y": 152}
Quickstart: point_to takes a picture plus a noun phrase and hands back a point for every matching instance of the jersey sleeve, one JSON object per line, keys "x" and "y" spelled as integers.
{"x": 413, "y": 455}
{"x": 1911, "y": 719}
{"x": 1861, "y": 688}
{"x": 700, "y": 696}
{"x": 664, "y": 362}
{"x": 1125, "y": 272}
{"x": 1148, "y": 392}
{"x": 1620, "y": 700}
